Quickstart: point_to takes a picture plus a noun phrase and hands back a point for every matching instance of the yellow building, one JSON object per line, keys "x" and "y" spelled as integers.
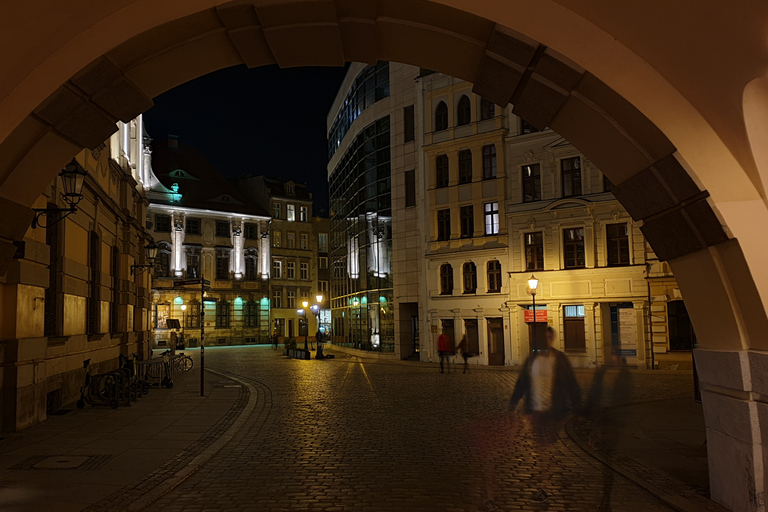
{"x": 71, "y": 293}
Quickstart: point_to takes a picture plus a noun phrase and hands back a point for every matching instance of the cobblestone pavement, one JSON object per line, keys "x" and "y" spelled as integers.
{"x": 347, "y": 434}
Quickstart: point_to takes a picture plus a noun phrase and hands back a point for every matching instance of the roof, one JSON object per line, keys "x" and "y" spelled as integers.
{"x": 194, "y": 183}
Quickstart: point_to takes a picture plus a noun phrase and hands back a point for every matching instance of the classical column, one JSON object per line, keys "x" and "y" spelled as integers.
{"x": 237, "y": 262}
{"x": 178, "y": 265}
{"x": 482, "y": 336}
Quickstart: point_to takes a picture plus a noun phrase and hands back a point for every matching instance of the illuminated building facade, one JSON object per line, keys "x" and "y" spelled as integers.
{"x": 69, "y": 293}
{"x": 205, "y": 228}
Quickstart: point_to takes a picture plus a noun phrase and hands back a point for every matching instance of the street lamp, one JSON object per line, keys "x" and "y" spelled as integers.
{"x": 533, "y": 284}
{"x": 151, "y": 250}
{"x": 72, "y": 178}
{"x": 183, "y": 321}
{"x": 304, "y": 305}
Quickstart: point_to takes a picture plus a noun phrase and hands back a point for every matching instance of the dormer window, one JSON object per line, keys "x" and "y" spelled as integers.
{"x": 289, "y": 189}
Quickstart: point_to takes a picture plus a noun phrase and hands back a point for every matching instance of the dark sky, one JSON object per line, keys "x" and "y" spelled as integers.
{"x": 264, "y": 120}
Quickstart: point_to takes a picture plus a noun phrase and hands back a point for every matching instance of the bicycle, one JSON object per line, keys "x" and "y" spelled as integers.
{"x": 182, "y": 363}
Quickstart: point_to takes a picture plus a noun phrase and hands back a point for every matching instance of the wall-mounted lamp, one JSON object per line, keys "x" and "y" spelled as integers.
{"x": 151, "y": 249}
{"x": 72, "y": 178}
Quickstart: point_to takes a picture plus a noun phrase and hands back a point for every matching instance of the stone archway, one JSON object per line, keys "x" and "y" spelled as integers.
{"x": 679, "y": 154}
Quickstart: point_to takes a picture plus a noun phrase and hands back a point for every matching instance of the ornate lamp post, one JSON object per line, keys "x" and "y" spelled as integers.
{"x": 151, "y": 250}
{"x": 533, "y": 284}
{"x": 72, "y": 178}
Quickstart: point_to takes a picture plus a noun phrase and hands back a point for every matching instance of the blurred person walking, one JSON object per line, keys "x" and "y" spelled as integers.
{"x": 444, "y": 350}
{"x": 548, "y": 388}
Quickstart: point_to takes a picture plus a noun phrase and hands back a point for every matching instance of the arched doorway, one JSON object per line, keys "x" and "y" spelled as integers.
{"x": 674, "y": 145}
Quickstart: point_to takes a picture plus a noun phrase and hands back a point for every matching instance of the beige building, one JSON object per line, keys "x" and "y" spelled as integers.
{"x": 71, "y": 292}
{"x": 479, "y": 200}
{"x": 294, "y": 254}
{"x": 205, "y": 228}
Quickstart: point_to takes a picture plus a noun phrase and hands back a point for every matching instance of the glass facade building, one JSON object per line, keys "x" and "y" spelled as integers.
{"x": 361, "y": 242}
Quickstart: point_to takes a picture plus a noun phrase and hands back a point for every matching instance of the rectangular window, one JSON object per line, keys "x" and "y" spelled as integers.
{"x": 323, "y": 262}
{"x": 193, "y": 263}
{"x": 526, "y": 127}
{"x": 607, "y": 184}
{"x": 277, "y": 299}
{"x": 531, "y": 183}
{"x": 617, "y": 242}
{"x": 163, "y": 223}
{"x": 222, "y": 264}
{"x": 303, "y": 241}
{"x": 277, "y": 269}
{"x": 410, "y": 188}
{"x": 222, "y": 314}
{"x": 290, "y": 270}
{"x": 193, "y": 316}
{"x": 290, "y": 212}
{"x": 251, "y": 231}
{"x": 322, "y": 286}
{"x": 276, "y": 239}
{"x": 304, "y": 269}
{"x": 303, "y": 213}
{"x": 290, "y": 240}
{"x": 574, "y": 338}
{"x": 570, "y": 169}
{"x": 573, "y": 248}
{"x": 465, "y": 166}
{"x": 193, "y": 226}
{"x": 534, "y": 251}
{"x": 222, "y": 228}
{"x": 489, "y": 162}
{"x": 322, "y": 242}
{"x": 467, "y": 222}
{"x": 487, "y": 109}
{"x": 275, "y": 210}
{"x": 250, "y": 314}
{"x": 442, "y": 173}
{"x": 492, "y": 218}
{"x": 444, "y": 224}
{"x": 409, "y": 129}
{"x": 291, "y": 299}
{"x": 250, "y": 268}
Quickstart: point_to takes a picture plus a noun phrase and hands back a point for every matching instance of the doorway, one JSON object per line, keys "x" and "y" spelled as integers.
{"x": 447, "y": 326}
{"x": 473, "y": 341}
{"x": 496, "y": 341}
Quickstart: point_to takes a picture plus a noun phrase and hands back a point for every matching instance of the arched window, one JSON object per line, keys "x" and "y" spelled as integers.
{"x": 441, "y": 117}
{"x": 465, "y": 166}
{"x": 487, "y": 109}
{"x": 470, "y": 277}
{"x": 489, "y": 161}
{"x": 446, "y": 279}
{"x": 442, "y": 173}
{"x": 494, "y": 276}
{"x": 163, "y": 260}
{"x": 251, "y": 273}
{"x": 464, "y": 111}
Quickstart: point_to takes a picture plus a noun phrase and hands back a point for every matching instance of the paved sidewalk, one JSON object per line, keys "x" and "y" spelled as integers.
{"x": 100, "y": 459}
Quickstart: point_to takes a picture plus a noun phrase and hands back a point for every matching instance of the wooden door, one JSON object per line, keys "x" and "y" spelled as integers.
{"x": 496, "y": 341}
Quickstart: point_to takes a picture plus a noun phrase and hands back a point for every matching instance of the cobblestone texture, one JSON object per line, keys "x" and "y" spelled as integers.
{"x": 342, "y": 434}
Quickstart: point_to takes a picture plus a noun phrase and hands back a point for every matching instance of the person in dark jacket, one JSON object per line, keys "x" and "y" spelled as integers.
{"x": 548, "y": 388}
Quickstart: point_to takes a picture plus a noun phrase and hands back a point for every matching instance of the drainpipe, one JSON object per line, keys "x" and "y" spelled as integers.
{"x": 649, "y": 329}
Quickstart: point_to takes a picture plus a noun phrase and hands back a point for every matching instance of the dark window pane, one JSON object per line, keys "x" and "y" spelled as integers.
{"x": 531, "y": 183}
{"x": 441, "y": 117}
{"x": 570, "y": 169}
{"x": 534, "y": 251}
{"x": 409, "y": 129}
{"x": 489, "y": 161}
{"x": 467, "y": 222}
{"x": 442, "y": 173}
{"x": 465, "y": 166}
{"x": 464, "y": 112}
{"x": 487, "y": 109}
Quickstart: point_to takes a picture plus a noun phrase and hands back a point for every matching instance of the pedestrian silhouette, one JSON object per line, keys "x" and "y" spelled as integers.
{"x": 444, "y": 349}
{"x": 462, "y": 347}
{"x": 548, "y": 388}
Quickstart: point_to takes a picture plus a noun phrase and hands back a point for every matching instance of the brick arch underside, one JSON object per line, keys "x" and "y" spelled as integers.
{"x": 544, "y": 87}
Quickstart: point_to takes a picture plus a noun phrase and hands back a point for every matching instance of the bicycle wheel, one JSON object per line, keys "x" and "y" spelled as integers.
{"x": 186, "y": 364}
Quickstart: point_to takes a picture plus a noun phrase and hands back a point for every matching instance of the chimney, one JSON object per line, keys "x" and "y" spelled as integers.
{"x": 173, "y": 141}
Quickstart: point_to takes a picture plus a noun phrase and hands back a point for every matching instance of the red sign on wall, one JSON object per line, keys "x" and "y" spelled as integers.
{"x": 541, "y": 315}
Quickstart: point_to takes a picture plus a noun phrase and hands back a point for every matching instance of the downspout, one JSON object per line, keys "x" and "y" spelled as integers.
{"x": 649, "y": 328}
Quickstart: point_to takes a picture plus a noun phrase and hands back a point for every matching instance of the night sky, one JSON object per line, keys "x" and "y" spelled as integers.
{"x": 264, "y": 120}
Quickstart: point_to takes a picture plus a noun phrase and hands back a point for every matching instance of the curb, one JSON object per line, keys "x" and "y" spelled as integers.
{"x": 180, "y": 476}
{"x": 675, "y": 501}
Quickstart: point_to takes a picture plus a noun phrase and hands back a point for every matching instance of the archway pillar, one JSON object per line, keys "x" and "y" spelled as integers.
{"x": 734, "y": 384}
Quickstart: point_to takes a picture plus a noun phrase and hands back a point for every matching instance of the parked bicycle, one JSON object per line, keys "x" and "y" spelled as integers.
{"x": 182, "y": 362}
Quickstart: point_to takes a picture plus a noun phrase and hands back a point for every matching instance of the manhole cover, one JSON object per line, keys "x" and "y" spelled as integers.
{"x": 71, "y": 462}
{"x": 68, "y": 462}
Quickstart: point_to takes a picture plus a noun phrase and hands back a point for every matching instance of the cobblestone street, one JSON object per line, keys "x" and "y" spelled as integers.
{"x": 349, "y": 435}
